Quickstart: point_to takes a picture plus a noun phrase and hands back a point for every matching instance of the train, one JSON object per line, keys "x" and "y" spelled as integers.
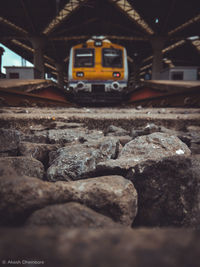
{"x": 98, "y": 71}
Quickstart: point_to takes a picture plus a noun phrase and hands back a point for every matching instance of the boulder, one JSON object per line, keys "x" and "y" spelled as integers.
{"x": 69, "y": 215}
{"x": 37, "y": 151}
{"x": 22, "y": 166}
{"x": 79, "y": 161}
{"x": 100, "y": 247}
{"x": 113, "y": 130}
{"x": 112, "y": 196}
{"x": 167, "y": 191}
{"x": 9, "y": 140}
{"x": 153, "y": 147}
{"x": 193, "y": 218}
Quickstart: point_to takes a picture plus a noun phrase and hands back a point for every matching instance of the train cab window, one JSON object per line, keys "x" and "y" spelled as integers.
{"x": 112, "y": 58}
{"x": 84, "y": 58}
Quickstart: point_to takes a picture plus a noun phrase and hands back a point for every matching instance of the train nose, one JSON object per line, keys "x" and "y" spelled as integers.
{"x": 115, "y": 85}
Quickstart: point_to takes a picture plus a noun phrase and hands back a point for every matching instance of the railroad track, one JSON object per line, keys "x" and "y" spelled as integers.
{"x": 186, "y": 97}
{"x": 179, "y": 99}
{"x": 11, "y": 97}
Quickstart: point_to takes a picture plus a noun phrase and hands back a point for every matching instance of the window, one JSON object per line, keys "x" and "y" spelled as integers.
{"x": 112, "y": 58}
{"x": 177, "y": 75}
{"x": 84, "y": 58}
{"x": 13, "y": 75}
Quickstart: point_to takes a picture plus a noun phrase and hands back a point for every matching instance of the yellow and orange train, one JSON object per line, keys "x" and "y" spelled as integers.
{"x": 98, "y": 67}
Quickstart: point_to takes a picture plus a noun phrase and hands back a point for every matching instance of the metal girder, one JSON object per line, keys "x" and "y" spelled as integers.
{"x": 13, "y": 26}
{"x": 169, "y": 48}
{"x": 147, "y": 59}
{"x": 196, "y": 43}
{"x": 30, "y": 49}
{"x": 63, "y": 14}
{"x": 116, "y": 37}
{"x": 146, "y": 67}
{"x": 184, "y": 25}
{"x": 127, "y": 8}
{"x": 50, "y": 66}
{"x": 169, "y": 62}
{"x": 173, "y": 46}
{"x": 26, "y": 47}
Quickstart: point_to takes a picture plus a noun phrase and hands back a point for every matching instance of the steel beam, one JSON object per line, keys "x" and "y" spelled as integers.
{"x": 131, "y": 13}
{"x": 70, "y": 7}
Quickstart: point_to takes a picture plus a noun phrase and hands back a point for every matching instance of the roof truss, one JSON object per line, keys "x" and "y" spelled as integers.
{"x": 127, "y": 8}
{"x": 71, "y": 6}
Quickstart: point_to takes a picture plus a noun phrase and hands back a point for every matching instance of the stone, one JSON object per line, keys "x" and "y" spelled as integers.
{"x": 37, "y": 137}
{"x": 100, "y": 247}
{"x": 113, "y": 130}
{"x": 167, "y": 191}
{"x": 149, "y": 129}
{"x": 9, "y": 140}
{"x": 72, "y": 135}
{"x": 154, "y": 146}
{"x": 37, "y": 150}
{"x": 193, "y": 218}
{"x": 23, "y": 166}
{"x": 148, "y": 148}
{"x": 69, "y": 215}
{"x": 112, "y": 196}
{"x": 63, "y": 136}
{"x": 195, "y": 148}
{"x": 124, "y": 139}
{"x": 79, "y": 161}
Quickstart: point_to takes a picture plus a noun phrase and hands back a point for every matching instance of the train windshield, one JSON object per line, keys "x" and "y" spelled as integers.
{"x": 84, "y": 58}
{"x": 112, "y": 58}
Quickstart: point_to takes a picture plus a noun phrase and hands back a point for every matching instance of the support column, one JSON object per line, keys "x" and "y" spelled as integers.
{"x": 60, "y": 76}
{"x": 1, "y": 54}
{"x": 157, "y": 46}
{"x": 38, "y": 46}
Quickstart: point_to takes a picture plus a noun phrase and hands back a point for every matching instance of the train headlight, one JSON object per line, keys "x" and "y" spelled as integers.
{"x": 116, "y": 74}
{"x": 115, "y": 85}
{"x": 80, "y": 74}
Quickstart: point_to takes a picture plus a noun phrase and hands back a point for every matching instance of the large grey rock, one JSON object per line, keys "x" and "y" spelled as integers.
{"x": 154, "y": 147}
{"x": 9, "y": 140}
{"x": 193, "y": 135}
{"x": 193, "y": 218}
{"x": 37, "y": 151}
{"x": 112, "y": 196}
{"x": 79, "y": 161}
{"x": 149, "y": 129}
{"x": 22, "y": 166}
{"x": 167, "y": 191}
{"x": 113, "y": 130}
{"x": 101, "y": 247}
{"x": 69, "y": 215}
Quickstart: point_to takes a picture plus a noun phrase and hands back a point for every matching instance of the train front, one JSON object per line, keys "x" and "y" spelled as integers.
{"x": 98, "y": 72}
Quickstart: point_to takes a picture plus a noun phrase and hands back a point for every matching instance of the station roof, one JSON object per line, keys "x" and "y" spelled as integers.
{"x": 131, "y": 23}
